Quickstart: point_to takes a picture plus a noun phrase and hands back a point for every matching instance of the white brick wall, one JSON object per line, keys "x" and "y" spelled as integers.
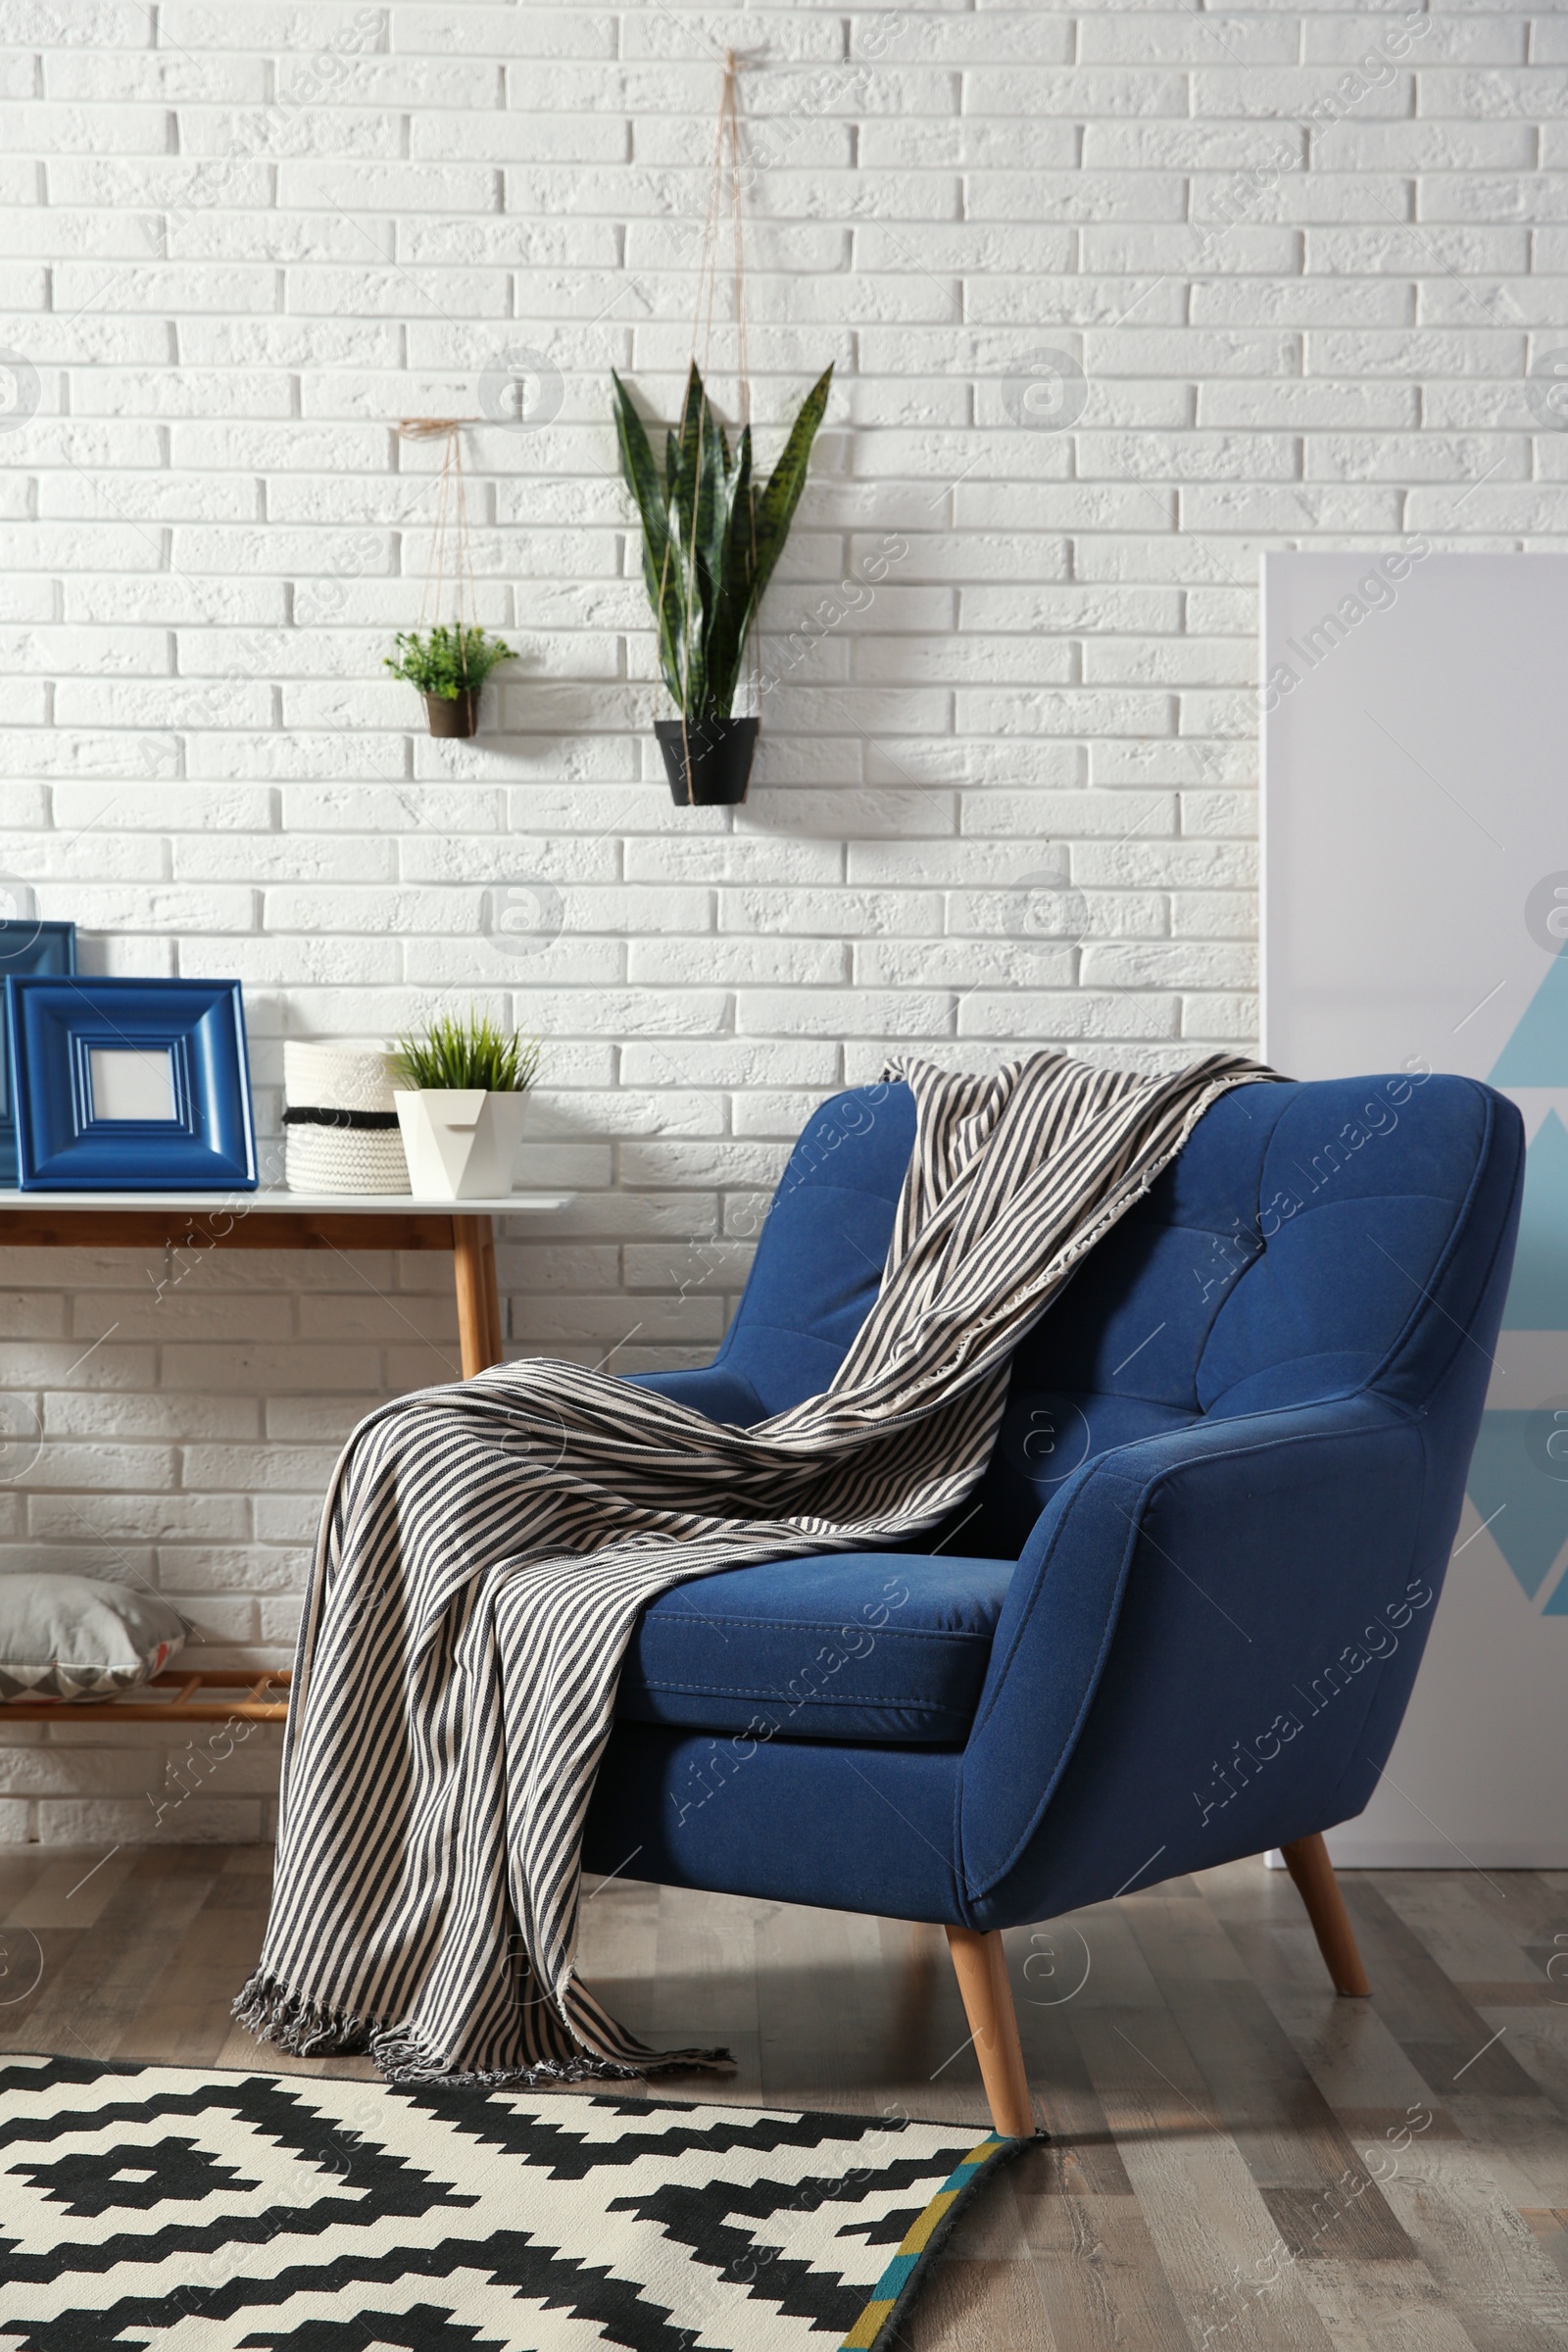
{"x": 1005, "y": 794}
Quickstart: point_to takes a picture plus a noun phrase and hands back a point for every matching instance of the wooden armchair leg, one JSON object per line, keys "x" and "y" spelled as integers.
{"x": 981, "y": 1968}
{"x": 1309, "y": 1863}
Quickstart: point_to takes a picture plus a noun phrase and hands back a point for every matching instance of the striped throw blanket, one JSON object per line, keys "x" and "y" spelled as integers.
{"x": 486, "y": 1548}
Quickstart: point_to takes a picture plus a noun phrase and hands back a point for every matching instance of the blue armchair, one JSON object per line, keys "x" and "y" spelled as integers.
{"x": 1179, "y": 1620}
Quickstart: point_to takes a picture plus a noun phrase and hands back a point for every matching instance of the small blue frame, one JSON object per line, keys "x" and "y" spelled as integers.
{"x": 26, "y": 946}
{"x": 54, "y": 1027}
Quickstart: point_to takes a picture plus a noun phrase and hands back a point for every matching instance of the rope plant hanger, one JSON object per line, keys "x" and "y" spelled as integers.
{"x": 448, "y": 661}
{"x": 711, "y": 535}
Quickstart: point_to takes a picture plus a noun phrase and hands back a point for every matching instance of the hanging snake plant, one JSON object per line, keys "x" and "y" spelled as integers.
{"x": 711, "y": 537}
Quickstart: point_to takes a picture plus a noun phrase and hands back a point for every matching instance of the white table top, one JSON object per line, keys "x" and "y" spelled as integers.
{"x": 508, "y": 1204}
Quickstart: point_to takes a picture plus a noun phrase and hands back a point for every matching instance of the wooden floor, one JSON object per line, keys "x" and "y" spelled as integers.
{"x": 1237, "y": 2157}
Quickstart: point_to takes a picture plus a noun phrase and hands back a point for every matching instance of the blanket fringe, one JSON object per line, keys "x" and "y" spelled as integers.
{"x": 267, "y": 2008}
{"x": 270, "y": 2010}
{"x": 403, "y": 2061}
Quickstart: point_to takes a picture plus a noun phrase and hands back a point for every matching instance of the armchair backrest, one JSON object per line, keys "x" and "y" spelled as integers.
{"x": 822, "y": 1247}
{"x": 1310, "y": 1241}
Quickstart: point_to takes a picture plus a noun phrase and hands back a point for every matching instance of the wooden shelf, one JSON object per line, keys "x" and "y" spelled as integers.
{"x": 181, "y": 1706}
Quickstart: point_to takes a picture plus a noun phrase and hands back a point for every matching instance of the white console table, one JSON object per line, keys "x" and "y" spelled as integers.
{"x": 266, "y": 1220}
{"x": 282, "y": 1220}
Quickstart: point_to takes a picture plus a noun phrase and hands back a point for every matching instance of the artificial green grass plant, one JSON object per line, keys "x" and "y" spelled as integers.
{"x": 459, "y": 1055}
{"x": 449, "y": 661}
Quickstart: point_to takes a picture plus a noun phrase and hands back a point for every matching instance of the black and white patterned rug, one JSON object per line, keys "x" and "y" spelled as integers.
{"x": 202, "y": 2211}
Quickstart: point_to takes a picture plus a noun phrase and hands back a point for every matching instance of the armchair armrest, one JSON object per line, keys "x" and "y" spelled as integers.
{"x": 1191, "y": 1648}
{"x": 711, "y": 1388}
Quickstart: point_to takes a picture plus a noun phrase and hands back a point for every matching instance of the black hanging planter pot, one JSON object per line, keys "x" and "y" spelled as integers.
{"x": 707, "y": 760}
{"x": 459, "y": 716}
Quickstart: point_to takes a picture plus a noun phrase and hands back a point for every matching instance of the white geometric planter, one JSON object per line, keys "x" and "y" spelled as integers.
{"x": 461, "y": 1144}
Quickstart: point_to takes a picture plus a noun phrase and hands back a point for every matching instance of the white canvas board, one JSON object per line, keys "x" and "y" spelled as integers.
{"x": 1415, "y": 914}
{"x": 132, "y": 1082}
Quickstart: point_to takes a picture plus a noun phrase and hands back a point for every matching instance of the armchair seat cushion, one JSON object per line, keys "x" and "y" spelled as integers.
{"x": 880, "y": 1647}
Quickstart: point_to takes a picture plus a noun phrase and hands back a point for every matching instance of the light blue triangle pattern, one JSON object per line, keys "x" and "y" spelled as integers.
{"x": 1538, "y": 1295}
{"x": 1511, "y": 1480}
{"x": 1511, "y": 1486}
{"x": 1536, "y": 1054}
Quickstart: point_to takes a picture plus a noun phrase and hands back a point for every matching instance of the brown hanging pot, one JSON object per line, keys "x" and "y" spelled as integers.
{"x": 707, "y": 760}
{"x": 454, "y": 714}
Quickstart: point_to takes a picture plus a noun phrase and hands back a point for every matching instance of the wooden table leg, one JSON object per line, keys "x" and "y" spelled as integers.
{"x": 474, "y": 1267}
{"x": 492, "y": 1292}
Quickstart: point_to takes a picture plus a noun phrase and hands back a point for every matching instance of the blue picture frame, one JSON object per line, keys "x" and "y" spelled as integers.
{"x": 186, "y": 1038}
{"x": 26, "y": 946}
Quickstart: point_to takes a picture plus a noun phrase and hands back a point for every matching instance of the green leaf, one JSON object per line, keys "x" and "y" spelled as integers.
{"x": 702, "y": 508}
{"x": 661, "y": 560}
{"x": 778, "y": 502}
{"x": 637, "y": 460}
{"x": 640, "y": 473}
{"x": 691, "y": 421}
{"x": 735, "y": 602}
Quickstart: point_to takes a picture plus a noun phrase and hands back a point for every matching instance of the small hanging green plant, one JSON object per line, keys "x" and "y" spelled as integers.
{"x": 449, "y": 661}
{"x": 454, "y": 1054}
{"x": 711, "y": 537}
{"x": 451, "y": 664}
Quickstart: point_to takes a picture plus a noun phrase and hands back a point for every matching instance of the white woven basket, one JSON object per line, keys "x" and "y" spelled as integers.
{"x": 354, "y": 1081}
